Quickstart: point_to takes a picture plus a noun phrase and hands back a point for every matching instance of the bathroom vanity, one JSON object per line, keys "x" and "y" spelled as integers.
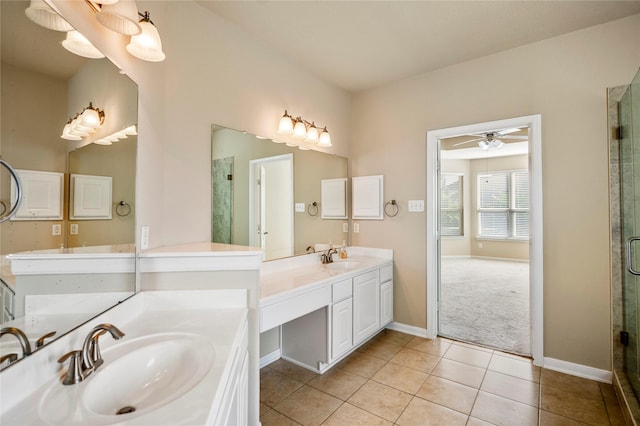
{"x": 323, "y": 312}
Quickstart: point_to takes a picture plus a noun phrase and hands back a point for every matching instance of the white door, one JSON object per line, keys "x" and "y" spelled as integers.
{"x": 341, "y": 327}
{"x": 271, "y": 205}
{"x": 366, "y": 305}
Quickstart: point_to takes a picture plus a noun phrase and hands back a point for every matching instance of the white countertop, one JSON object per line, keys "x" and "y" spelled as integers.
{"x": 284, "y": 278}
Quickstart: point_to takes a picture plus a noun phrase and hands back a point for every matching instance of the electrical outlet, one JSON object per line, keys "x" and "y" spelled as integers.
{"x": 144, "y": 238}
{"x": 73, "y": 229}
{"x": 356, "y": 228}
{"x": 56, "y": 229}
{"x": 345, "y": 227}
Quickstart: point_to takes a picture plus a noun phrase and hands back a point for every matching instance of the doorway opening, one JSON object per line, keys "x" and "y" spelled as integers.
{"x": 271, "y": 205}
{"x": 484, "y": 235}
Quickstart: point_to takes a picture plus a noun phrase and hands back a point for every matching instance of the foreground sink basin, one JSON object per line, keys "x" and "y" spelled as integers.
{"x": 158, "y": 369}
{"x": 138, "y": 376}
{"x": 343, "y": 265}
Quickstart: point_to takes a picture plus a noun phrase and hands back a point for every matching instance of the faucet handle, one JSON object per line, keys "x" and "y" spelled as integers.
{"x": 13, "y": 357}
{"x": 40, "y": 341}
{"x": 74, "y": 372}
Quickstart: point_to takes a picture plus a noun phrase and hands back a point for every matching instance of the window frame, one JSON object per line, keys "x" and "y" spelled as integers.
{"x": 511, "y": 210}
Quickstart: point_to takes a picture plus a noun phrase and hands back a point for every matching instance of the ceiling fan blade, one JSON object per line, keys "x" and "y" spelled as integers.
{"x": 507, "y": 131}
{"x": 521, "y": 137}
{"x": 466, "y": 142}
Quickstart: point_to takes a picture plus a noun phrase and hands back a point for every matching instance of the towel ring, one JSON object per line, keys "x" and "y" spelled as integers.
{"x": 123, "y": 209}
{"x": 312, "y": 209}
{"x": 4, "y": 207}
{"x": 391, "y": 208}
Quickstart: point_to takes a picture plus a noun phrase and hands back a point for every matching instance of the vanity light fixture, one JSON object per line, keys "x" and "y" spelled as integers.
{"x": 115, "y": 137}
{"x": 300, "y": 128}
{"x": 84, "y": 123}
{"x": 120, "y": 16}
{"x": 43, "y": 15}
{"x": 146, "y": 45}
{"x": 78, "y": 44}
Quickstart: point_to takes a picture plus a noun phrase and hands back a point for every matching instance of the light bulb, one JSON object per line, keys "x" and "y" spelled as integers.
{"x": 325, "y": 138}
{"x": 299, "y": 130}
{"x": 285, "y": 127}
{"x": 78, "y": 44}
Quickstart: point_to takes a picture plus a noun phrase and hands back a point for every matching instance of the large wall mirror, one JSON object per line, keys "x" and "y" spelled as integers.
{"x": 79, "y": 257}
{"x": 268, "y": 194}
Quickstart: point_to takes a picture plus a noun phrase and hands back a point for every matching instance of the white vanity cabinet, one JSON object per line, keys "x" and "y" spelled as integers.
{"x": 366, "y": 305}
{"x": 322, "y": 321}
{"x": 235, "y": 404}
{"x": 341, "y": 318}
{"x": 386, "y": 295}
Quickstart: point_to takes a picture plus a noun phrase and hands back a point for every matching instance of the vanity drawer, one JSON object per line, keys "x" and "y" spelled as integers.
{"x": 386, "y": 273}
{"x": 295, "y": 307}
{"x": 342, "y": 290}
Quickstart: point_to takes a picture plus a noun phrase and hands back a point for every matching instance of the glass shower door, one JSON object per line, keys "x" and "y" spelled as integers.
{"x": 629, "y": 116}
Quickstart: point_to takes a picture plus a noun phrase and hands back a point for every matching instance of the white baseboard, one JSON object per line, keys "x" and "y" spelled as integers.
{"x": 409, "y": 329}
{"x": 269, "y": 358}
{"x": 578, "y": 370}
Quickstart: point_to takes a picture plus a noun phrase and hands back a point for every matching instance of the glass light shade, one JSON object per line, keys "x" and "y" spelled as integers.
{"x": 299, "y": 130}
{"x": 43, "y": 15}
{"x": 80, "y": 130}
{"x": 312, "y": 134}
{"x": 102, "y": 142}
{"x": 121, "y": 17}
{"x": 325, "y": 138}
{"x": 89, "y": 118}
{"x": 286, "y": 125}
{"x": 496, "y": 144}
{"x": 131, "y": 130}
{"x": 121, "y": 134}
{"x": 147, "y": 45}
{"x": 77, "y": 44}
{"x": 484, "y": 145}
{"x": 303, "y": 148}
{"x": 111, "y": 138}
{"x": 66, "y": 133}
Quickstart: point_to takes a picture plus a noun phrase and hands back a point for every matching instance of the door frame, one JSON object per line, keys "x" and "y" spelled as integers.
{"x": 534, "y": 123}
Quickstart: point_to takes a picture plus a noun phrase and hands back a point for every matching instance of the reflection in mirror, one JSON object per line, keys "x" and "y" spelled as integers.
{"x": 236, "y": 214}
{"x": 57, "y": 274}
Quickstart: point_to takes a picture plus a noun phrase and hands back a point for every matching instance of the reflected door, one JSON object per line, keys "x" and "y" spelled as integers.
{"x": 272, "y": 201}
{"x": 629, "y": 116}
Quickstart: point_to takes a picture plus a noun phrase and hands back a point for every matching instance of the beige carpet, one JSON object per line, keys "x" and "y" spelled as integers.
{"x": 486, "y": 302}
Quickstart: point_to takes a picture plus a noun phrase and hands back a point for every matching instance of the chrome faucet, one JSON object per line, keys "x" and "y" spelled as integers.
{"x": 328, "y": 256}
{"x": 84, "y": 362}
{"x": 22, "y": 338}
{"x": 91, "y": 358}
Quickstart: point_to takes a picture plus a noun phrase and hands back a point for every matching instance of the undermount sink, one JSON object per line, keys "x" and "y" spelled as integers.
{"x": 343, "y": 265}
{"x": 139, "y": 375}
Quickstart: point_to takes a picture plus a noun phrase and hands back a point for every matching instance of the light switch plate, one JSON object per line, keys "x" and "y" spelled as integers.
{"x": 300, "y": 207}
{"x": 144, "y": 238}
{"x": 416, "y": 205}
{"x": 345, "y": 227}
{"x": 56, "y": 229}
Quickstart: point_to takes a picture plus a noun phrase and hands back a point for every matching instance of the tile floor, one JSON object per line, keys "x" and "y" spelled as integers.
{"x": 401, "y": 379}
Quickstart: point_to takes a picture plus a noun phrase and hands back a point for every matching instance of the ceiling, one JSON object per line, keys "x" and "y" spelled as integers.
{"x": 357, "y": 45}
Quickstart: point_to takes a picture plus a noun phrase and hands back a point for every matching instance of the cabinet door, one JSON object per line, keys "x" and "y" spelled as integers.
{"x": 366, "y": 305}
{"x": 386, "y": 303}
{"x": 341, "y": 328}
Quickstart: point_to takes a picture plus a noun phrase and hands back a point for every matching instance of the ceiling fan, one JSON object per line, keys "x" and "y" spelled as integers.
{"x": 493, "y": 139}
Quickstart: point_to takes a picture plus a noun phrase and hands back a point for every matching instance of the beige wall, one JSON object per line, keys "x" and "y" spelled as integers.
{"x": 564, "y": 79}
